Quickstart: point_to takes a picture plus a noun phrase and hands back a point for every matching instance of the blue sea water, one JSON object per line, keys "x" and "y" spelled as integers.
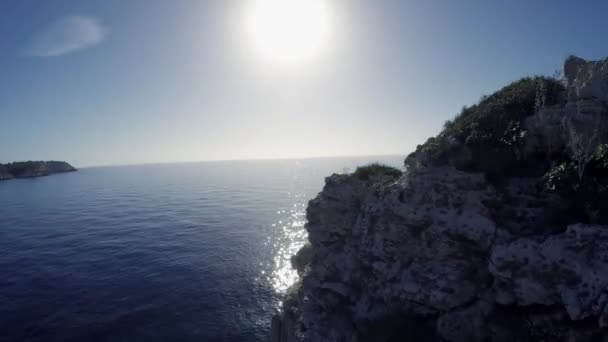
{"x": 172, "y": 252}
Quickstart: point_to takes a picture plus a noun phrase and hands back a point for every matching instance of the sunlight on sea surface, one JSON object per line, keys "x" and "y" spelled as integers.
{"x": 175, "y": 252}
{"x": 289, "y": 236}
{"x": 292, "y": 236}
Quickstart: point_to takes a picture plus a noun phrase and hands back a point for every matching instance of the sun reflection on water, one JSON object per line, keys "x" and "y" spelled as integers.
{"x": 288, "y": 237}
{"x": 291, "y": 236}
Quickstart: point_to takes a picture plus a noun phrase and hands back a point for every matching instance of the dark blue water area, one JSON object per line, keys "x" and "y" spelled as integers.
{"x": 173, "y": 252}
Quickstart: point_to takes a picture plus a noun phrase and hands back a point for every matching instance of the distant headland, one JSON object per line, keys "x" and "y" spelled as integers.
{"x": 29, "y": 169}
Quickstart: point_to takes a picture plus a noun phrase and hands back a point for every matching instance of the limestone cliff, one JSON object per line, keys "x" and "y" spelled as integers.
{"x": 496, "y": 231}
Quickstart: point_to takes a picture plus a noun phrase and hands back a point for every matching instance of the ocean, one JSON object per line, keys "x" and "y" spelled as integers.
{"x": 167, "y": 252}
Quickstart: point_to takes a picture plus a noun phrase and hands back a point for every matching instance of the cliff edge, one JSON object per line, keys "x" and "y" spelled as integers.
{"x": 497, "y": 231}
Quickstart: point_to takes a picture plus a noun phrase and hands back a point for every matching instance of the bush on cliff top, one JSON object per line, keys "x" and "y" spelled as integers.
{"x": 587, "y": 195}
{"x": 489, "y": 136}
{"x": 376, "y": 169}
{"x": 496, "y": 118}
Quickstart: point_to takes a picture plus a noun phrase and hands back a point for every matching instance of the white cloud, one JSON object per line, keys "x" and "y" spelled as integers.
{"x": 67, "y": 35}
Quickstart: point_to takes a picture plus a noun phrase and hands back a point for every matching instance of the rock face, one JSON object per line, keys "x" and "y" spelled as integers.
{"x": 447, "y": 253}
{"x": 33, "y": 169}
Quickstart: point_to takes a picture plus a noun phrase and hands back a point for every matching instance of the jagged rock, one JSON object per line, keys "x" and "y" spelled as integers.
{"x": 585, "y": 108}
{"x": 586, "y": 80}
{"x": 447, "y": 254}
{"x": 417, "y": 246}
{"x": 302, "y": 258}
{"x": 569, "y": 270}
{"x": 467, "y": 324}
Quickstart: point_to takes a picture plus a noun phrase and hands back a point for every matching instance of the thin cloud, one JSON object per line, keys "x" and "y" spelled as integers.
{"x": 67, "y": 35}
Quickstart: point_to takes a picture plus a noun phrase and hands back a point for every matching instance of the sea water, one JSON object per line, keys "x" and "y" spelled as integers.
{"x": 168, "y": 252}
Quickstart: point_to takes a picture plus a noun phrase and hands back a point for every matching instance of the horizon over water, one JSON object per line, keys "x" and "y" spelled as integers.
{"x": 192, "y": 251}
{"x": 262, "y": 159}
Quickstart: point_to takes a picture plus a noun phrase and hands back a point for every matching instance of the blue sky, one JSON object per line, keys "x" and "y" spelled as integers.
{"x": 124, "y": 82}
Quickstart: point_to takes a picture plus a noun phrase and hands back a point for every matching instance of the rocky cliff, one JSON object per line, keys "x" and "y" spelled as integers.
{"x": 33, "y": 169}
{"x": 497, "y": 231}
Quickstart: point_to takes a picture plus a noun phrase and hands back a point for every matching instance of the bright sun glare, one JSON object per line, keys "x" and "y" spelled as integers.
{"x": 288, "y": 31}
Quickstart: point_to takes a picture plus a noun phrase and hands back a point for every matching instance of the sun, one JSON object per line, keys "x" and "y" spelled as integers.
{"x": 288, "y": 31}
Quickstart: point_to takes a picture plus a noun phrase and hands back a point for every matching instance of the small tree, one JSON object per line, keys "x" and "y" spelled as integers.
{"x": 582, "y": 143}
{"x": 585, "y": 138}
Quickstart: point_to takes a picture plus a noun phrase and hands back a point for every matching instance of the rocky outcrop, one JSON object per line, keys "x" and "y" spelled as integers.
{"x": 568, "y": 270}
{"x": 447, "y": 252}
{"x": 586, "y": 79}
{"x": 583, "y": 110}
{"x": 33, "y": 169}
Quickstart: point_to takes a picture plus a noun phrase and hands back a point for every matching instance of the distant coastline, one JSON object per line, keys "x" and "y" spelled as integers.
{"x": 31, "y": 169}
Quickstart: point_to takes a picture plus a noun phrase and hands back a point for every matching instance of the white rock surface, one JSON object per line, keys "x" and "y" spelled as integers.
{"x": 569, "y": 270}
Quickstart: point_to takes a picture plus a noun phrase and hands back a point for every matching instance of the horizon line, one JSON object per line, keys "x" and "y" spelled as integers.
{"x": 242, "y": 160}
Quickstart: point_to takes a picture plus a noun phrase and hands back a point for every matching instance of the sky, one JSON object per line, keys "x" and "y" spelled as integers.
{"x": 143, "y": 81}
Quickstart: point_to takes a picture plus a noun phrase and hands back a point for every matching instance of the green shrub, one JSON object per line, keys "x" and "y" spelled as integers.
{"x": 376, "y": 169}
{"x": 600, "y": 157}
{"x": 490, "y": 135}
{"x": 588, "y": 195}
{"x": 497, "y": 119}
{"x": 562, "y": 178}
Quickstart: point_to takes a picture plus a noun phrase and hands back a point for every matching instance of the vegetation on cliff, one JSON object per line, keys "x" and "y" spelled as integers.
{"x": 490, "y": 136}
{"x": 376, "y": 169}
{"x": 586, "y": 192}
{"x": 493, "y": 137}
